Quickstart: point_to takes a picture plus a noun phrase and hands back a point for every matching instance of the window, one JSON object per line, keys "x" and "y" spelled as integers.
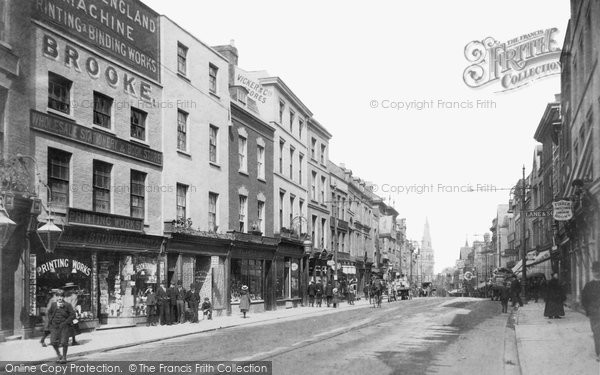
{"x": 243, "y": 213}
{"x": 292, "y": 199}
{"x": 313, "y": 186}
{"x": 323, "y": 228}
{"x": 323, "y": 182}
{"x": 102, "y": 110}
{"x": 260, "y": 161}
{"x": 292, "y": 163}
{"x": 281, "y": 144}
{"x": 243, "y": 151}
{"x": 281, "y": 197}
{"x": 301, "y": 213}
{"x": 212, "y": 212}
{"x": 102, "y": 176}
{"x": 137, "y": 194}
{"x": 281, "y": 109}
{"x": 138, "y": 124}
{"x": 300, "y": 128}
{"x": 247, "y": 272}
{"x": 182, "y": 201}
{"x": 314, "y": 230}
{"x": 59, "y": 93}
{"x": 212, "y": 148}
{"x": 323, "y": 154}
{"x": 287, "y": 278}
{"x": 292, "y": 115}
{"x": 212, "y": 78}
{"x": 313, "y": 145}
{"x": 343, "y": 209}
{"x": 261, "y": 216}
{"x": 58, "y": 177}
{"x": 182, "y": 118}
{"x": 182, "y": 58}
{"x": 300, "y": 160}
{"x": 241, "y": 95}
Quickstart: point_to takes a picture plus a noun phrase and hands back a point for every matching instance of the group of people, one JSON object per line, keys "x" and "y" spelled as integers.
{"x": 317, "y": 291}
{"x": 175, "y": 305}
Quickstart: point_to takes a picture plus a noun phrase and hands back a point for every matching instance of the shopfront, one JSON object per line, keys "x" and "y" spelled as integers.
{"x": 108, "y": 270}
{"x": 289, "y": 268}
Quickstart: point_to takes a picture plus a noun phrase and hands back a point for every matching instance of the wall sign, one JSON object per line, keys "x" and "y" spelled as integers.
{"x": 77, "y": 216}
{"x": 126, "y": 30}
{"x": 54, "y": 264}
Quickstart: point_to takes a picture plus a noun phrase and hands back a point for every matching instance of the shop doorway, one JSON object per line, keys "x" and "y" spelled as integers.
{"x": 268, "y": 293}
{"x": 172, "y": 261}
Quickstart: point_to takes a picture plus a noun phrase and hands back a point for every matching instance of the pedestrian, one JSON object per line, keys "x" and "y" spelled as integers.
{"x": 590, "y": 300}
{"x": 244, "y": 300}
{"x": 555, "y": 296}
{"x": 164, "y": 306}
{"x": 150, "y": 307}
{"x": 60, "y": 317}
{"x": 329, "y": 292}
{"x": 515, "y": 292}
{"x": 503, "y": 295}
{"x": 319, "y": 293}
{"x": 206, "y": 309}
{"x": 366, "y": 292}
{"x": 312, "y": 290}
{"x": 192, "y": 298}
{"x": 172, "y": 294}
{"x": 351, "y": 293}
{"x": 336, "y": 297}
{"x": 53, "y": 298}
{"x": 180, "y": 302}
{"x": 71, "y": 297}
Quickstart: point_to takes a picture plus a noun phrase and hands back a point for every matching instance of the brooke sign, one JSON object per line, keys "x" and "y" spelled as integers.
{"x": 563, "y": 210}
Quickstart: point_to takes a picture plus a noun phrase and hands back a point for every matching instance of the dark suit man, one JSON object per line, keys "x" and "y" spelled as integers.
{"x": 192, "y": 298}
{"x": 319, "y": 293}
{"x": 172, "y": 294}
{"x": 329, "y": 293}
{"x": 312, "y": 291}
{"x": 164, "y": 306}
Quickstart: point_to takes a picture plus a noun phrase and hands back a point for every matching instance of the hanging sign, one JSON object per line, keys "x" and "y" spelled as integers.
{"x": 563, "y": 210}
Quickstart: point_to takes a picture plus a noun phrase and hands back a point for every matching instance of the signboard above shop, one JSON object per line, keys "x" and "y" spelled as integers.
{"x": 563, "y": 210}
{"x": 126, "y": 30}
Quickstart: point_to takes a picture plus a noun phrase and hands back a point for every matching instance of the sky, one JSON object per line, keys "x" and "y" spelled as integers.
{"x": 347, "y": 60}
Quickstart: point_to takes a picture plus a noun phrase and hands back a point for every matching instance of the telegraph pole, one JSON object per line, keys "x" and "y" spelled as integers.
{"x": 524, "y": 255}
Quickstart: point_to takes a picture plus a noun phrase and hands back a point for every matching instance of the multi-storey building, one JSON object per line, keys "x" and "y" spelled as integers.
{"x": 579, "y": 146}
{"x": 499, "y": 229}
{"x": 339, "y": 221}
{"x": 387, "y": 238}
{"x": 195, "y": 116}
{"x": 91, "y": 136}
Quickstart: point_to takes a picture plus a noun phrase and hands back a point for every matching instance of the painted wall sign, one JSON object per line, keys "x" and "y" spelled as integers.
{"x": 126, "y": 30}
{"x": 256, "y": 91}
{"x": 70, "y": 130}
{"x": 79, "y": 61}
{"x": 77, "y": 216}
{"x": 109, "y": 239}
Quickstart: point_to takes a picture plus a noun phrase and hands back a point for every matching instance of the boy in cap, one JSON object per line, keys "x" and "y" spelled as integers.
{"x": 193, "y": 299}
{"x": 207, "y": 309}
{"x": 590, "y": 299}
{"x": 60, "y": 317}
{"x": 53, "y": 298}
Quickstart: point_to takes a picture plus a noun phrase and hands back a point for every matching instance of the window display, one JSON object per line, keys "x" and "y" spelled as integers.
{"x": 287, "y": 280}
{"x": 123, "y": 281}
{"x": 62, "y": 270}
{"x": 246, "y": 272}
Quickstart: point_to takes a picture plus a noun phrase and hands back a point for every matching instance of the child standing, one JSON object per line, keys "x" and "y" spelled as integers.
{"x": 207, "y": 308}
{"x": 244, "y": 300}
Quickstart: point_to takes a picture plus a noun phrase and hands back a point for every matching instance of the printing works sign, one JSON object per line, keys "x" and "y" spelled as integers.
{"x": 512, "y": 64}
{"x": 125, "y": 29}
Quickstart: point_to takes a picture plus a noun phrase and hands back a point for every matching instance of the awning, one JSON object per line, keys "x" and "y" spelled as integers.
{"x": 541, "y": 257}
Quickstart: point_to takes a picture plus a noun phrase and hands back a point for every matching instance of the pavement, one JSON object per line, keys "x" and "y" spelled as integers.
{"x": 544, "y": 346}
{"x": 110, "y": 339}
{"x": 554, "y": 346}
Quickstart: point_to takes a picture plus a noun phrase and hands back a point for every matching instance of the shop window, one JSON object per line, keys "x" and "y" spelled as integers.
{"x": 122, "y": 283}
{"x": 58, "y": 177}
{"x": 62, "y": 270}
{"x": 102, "y": 178}
{"x": 287, "y": 278}
{"x": 247, "y": 272}
{"x": 138, "y": 195}
{"x": 59, "y": 93}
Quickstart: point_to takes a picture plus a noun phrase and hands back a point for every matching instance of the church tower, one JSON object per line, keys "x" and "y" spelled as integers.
{"x": 427, "y": 260}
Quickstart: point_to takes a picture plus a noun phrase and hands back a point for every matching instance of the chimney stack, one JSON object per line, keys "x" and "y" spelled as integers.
{"x": 229, "y": 51}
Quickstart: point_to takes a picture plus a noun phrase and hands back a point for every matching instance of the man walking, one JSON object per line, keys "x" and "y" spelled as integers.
{"x": 329, "y": 292}
{"x": 590, "y": 299}
{"x": 60, "y": 318}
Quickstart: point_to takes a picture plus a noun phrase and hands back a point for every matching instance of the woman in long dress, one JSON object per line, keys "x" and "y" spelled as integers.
{"x": 244, "y": 300}
{"x": 555, "y": 296}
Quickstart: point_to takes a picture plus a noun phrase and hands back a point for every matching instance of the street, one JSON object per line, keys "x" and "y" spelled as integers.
{"x": 425, "y": 335}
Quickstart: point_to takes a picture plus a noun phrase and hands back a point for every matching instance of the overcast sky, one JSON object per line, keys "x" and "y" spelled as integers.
{"x": 339, "y": 56}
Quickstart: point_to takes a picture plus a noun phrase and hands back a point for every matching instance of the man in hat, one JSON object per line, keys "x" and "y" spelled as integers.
{"x": 60, "y": 317}
{"x": 193, "y": 299}
{"x": 53, "y": 298}
{"x": 180, "y": 302}
{"x": 312, "y": 291}
{"x": 172, "y": 294}
{"x": 590, "y": 299}
{"x": 71, "y": 298}
{"x": 164, "y": 305}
